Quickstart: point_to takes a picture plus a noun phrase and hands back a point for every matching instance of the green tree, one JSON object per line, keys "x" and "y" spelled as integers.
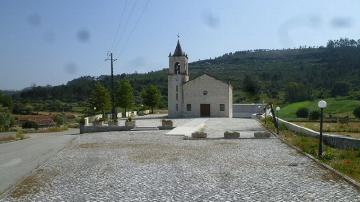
{"x": 250, "y": 85}
{"x": 100, "y": 99}
{"x": 295, "y": 92}
{"x": 6, "y": 101}
{"x": 151, "y": 97}
{"x": 124, "y": 95}
{"x": 357, "y": 112}
{"x": 340, "y": 89}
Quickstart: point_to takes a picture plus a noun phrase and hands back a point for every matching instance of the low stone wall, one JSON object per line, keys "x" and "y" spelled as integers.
{"x": 247, "y": 110}
{"x": 95, "y": 129}
{"x": 333, "y": 140}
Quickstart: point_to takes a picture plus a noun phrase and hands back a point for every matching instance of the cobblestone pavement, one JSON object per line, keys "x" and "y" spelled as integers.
{"x": 215, "y": 127}
{"x": 150, "y": 166}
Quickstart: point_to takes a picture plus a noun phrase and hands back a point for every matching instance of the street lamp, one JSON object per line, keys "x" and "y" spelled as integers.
{"x": 277, "y": 119}
{"x": 322, "y": 104}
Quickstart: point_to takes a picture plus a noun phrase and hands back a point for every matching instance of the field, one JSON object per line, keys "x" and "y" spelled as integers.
{"x": 336, "y": 107}
{"x": 352, "y": 129}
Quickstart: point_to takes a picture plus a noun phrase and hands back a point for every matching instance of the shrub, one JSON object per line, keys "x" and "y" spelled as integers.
{"x": 328, "y": 155}
{"x": 356, "y": 112}
{"x": 30, "y": 124}
{"x": 303, "y": 112}
{"x": 59, "y": 119}
{"x": 6, "y": 121}
{"x": 314, "y": 115}
{"x": 20, "y": 135}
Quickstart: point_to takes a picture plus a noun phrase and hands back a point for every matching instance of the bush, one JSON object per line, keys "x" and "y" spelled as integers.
{"x": 356, "y": 112}
{"x": 30, "y": 124}
{"x": 20, "y": 135}
{"x": 6, "y": 121}
{"x": 59, "y": 119}
{"x": 314, "y": 115}
{"x": 303, "y": 112}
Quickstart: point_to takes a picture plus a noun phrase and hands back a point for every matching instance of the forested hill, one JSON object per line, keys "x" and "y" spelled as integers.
{"x": 256, "y": 75}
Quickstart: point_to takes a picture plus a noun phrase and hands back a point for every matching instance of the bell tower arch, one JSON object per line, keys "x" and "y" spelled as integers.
{"x": 178, "y": 74}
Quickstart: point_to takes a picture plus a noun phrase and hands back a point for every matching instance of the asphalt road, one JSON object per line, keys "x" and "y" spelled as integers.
{"x": 19, "y": 158}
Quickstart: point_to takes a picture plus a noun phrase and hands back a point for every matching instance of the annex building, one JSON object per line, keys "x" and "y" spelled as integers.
{"x": 204, "y": 96}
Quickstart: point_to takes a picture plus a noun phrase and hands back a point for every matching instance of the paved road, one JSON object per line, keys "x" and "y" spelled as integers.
{"x": 19, "y": 158}
{"x": 152, "y": 166}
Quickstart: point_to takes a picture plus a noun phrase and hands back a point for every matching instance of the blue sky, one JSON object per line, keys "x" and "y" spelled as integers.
{"x": 51, "y": 42}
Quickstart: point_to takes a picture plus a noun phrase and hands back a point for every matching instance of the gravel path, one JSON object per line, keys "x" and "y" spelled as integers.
{"x": 150, "y": 166}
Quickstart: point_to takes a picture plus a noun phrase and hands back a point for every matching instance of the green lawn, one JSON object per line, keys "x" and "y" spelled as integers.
{"x": 338, "y": 107}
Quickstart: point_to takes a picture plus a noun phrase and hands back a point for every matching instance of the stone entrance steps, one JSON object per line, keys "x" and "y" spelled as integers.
{"x": 144, "y": 128}
{"x": 188, "y": 128}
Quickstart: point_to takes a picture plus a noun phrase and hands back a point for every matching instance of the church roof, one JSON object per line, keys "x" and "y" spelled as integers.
{"x": 206, "y": 74}
{"x": 178, "y": 51}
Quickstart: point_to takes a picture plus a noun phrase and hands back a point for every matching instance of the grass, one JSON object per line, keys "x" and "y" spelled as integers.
{"x": 339, "y": 107}
{"x": 351, "y": 129}
{"x": 346, "y": 161}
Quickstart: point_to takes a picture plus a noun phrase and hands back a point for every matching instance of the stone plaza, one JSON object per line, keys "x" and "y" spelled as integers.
{"x": 154, "y": 166}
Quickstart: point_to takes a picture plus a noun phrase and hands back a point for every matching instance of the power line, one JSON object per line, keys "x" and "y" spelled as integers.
{"x": 126, "y": 24}
{"x": 120, "y": 23}
{"x": 135, "y": 26}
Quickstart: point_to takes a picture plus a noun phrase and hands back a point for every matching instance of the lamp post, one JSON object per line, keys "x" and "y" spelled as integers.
{"x": 277, "y": 119}
{"x": 322, "y": 104}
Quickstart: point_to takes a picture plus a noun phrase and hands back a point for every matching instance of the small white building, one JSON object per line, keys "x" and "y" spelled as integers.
{"x": 203, "y": 96}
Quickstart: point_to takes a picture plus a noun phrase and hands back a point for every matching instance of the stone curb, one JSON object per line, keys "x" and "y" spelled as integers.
{"x": 345, "y": 177}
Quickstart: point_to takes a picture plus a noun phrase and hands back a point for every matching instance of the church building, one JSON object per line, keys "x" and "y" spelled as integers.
{"x": 204, "y": 96}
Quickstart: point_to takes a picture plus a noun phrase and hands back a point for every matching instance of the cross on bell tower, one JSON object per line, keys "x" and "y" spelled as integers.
{"x": 178, "y": 74}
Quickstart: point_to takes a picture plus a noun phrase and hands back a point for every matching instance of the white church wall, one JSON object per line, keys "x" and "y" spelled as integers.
{"x": 230, "y": 101}
{"x": 217, "y": 93}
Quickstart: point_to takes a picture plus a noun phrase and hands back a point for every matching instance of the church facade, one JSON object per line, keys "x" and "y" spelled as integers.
{"x": 204, "y": 96}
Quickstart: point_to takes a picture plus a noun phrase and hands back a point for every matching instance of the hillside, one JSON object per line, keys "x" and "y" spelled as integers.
{"x": 336, "y": 107}
{"x": 256, "y": 75}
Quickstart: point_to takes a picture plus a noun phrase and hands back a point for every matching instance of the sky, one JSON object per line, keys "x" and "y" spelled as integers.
{"x": 47, "y": 42}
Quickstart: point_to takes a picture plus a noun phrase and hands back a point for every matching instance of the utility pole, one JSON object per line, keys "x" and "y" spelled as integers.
{"x": 113, "y": 112}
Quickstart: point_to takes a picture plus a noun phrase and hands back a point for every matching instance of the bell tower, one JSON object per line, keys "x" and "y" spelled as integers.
{"x": 178, "y": 74}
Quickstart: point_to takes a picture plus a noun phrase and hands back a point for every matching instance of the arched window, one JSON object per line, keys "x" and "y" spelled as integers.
{"x": 177, "y": 68}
